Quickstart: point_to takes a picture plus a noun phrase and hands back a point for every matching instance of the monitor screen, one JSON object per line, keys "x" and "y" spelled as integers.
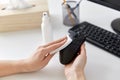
{"x": 115, "y": 4}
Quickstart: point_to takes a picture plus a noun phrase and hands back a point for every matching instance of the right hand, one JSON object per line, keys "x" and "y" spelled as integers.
{"x": 75, "y": 70}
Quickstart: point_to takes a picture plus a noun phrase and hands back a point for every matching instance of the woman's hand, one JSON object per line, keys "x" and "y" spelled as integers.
{"x": 75, "y": 70}
{"x": 42, "y": 55}
{"x": 36, "y": 62}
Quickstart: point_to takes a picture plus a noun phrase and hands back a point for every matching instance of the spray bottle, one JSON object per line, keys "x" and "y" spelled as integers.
{"x": 46, "y": 28}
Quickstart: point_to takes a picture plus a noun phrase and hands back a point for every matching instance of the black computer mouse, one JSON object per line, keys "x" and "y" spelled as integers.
{"x": 116, "y": 25}
{"x": 69, "y": 53}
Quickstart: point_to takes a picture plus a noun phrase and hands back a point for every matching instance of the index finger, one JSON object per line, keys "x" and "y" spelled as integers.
{"x": 54, "y": 46}
{"x": 55, "y": 42}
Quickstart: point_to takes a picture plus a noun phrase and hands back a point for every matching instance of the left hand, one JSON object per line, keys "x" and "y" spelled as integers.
{"x": 75, "y": 70}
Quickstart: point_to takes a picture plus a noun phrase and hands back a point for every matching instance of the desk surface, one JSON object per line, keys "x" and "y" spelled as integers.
{"x": 100, "y": 64}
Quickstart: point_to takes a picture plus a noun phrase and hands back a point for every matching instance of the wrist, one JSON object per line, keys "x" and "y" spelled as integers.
{"x": 80, "y": 75}
{"x": 76, "y": 75}
{"x": 22, "y": 66}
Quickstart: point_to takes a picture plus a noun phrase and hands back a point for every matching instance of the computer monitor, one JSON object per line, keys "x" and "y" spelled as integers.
{"x": 114, "y": 4}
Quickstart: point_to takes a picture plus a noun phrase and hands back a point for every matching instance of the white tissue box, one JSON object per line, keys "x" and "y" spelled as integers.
{"x": 12, "y": 20}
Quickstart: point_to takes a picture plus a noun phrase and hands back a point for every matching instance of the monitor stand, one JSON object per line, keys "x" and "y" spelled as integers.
{"x": 116, "y": 25}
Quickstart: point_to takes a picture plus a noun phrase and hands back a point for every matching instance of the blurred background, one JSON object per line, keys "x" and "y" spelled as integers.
{"x": 6, "y": 1}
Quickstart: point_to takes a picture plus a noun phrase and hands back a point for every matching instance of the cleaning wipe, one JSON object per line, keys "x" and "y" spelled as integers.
{"x": 69, "y": 40}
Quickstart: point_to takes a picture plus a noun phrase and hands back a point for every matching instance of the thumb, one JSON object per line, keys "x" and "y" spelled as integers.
{"x": 83, "y": 50}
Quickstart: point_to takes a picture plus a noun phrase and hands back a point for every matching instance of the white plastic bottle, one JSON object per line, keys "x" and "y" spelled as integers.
{"x": 47, "y": 34}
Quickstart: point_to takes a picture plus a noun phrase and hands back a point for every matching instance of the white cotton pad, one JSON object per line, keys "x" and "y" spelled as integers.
{"x": 69, "y": 40}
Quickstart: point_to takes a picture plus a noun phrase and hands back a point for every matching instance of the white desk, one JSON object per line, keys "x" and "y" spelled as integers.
{"x": 100, "y": 64}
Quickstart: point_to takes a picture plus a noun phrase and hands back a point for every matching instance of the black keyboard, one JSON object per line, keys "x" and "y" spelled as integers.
{"x": 99, "y": 37}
